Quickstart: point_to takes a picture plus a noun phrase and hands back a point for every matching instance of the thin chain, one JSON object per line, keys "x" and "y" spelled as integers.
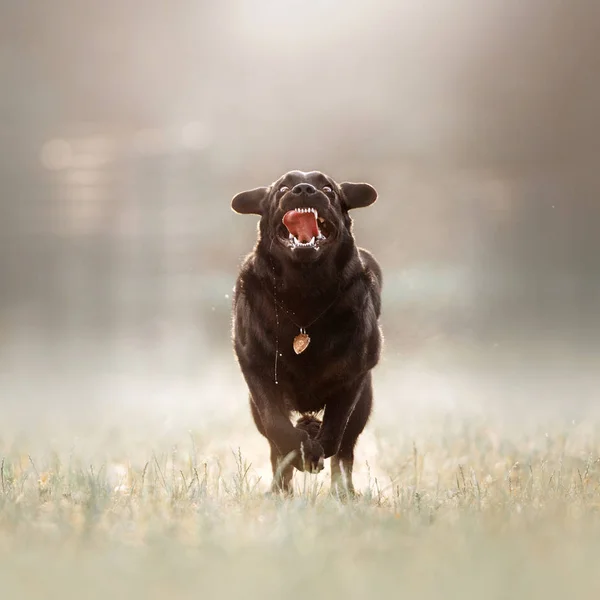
{"x": 302, "y": 329}
{"x": 276, "y": 329}
{"x": 285, "y": 310}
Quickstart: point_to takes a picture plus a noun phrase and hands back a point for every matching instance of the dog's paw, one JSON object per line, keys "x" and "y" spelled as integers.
{"x": 277, "y": 489}
{"x": 310, "y": 424}
{"x": 311, "y": 458}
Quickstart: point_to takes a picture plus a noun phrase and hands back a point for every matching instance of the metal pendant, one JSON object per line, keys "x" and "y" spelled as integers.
{"x": 301, "y": 342}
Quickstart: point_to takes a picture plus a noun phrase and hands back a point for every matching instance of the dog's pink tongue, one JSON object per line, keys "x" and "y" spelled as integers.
{"x": 302, "y": 225}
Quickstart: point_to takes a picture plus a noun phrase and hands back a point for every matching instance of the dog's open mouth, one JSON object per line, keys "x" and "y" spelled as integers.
{"x": 305, "y": 228}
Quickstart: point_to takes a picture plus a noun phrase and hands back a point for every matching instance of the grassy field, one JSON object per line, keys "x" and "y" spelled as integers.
{"x": 464, "y": 509}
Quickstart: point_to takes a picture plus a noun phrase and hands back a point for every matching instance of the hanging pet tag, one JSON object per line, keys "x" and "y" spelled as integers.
{"x": 301, "y": 342}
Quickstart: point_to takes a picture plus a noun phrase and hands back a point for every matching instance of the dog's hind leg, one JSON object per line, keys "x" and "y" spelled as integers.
{"x": 341, "y": 474}
{"x": 342, "y": 463}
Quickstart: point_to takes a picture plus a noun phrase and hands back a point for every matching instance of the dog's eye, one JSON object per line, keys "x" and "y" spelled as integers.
{"x": 283, "y": 189}
{"x": 327, "y": 189}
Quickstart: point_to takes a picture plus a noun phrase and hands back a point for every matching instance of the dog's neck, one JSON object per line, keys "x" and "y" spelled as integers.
{"x": 304, "y": 287}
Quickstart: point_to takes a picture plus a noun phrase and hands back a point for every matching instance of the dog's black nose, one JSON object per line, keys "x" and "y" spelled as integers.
{"x": 304, "y": 188}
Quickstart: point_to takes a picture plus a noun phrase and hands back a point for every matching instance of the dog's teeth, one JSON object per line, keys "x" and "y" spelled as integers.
{"x": 320, "y": 236}
{"x": 321, "y": 220}
{"x": 312, "y": 242}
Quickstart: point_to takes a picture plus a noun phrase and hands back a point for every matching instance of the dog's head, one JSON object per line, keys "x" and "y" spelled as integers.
{"x": 304, "y": 216}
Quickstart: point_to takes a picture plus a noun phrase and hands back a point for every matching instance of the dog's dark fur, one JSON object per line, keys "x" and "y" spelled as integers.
{"x": 277, "y": 285}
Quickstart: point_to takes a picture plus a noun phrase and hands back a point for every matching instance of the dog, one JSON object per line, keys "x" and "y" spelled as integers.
{"x": 305, "y": 323}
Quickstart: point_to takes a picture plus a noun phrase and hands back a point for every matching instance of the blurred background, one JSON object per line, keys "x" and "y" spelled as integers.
{"x": 126, "y": 128}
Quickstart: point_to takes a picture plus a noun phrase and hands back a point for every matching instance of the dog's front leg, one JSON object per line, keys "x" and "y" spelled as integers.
{"x": 338, "y": 409}
{"x": 268, "y": 402}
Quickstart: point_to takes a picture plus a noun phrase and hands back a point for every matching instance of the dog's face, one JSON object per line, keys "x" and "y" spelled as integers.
{"x": 304, "y": 216}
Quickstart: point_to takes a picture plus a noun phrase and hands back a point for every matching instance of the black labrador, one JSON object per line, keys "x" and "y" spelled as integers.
{"x": 306, "y": 323}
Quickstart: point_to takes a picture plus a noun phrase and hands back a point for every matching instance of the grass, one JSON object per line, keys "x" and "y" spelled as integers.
{"x": 467, "y": 509}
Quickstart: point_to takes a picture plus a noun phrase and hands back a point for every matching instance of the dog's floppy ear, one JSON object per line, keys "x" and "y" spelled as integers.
{"x": 358, "y": 195}
{"x": 250, "y": 202}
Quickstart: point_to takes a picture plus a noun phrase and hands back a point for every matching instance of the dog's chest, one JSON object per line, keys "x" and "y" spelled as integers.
{"x": 309, "y": 351}
{"x": 311, "y": 376}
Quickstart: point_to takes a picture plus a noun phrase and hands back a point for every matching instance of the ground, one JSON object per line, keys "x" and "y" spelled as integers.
{"x": 465, "y": 507}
